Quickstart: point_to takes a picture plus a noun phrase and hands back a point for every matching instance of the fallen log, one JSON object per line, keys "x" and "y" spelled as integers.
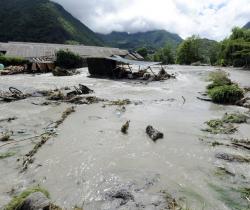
{"x": 153, "y": 133}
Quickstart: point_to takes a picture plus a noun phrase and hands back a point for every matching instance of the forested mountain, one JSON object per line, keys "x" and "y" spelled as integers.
{"x": 42, "y": 21}
{"x": 247, "y": 26}
{"x": 151, "y": 39}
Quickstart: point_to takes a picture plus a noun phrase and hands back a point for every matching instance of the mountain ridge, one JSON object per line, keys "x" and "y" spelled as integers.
{"x": 42, "y": 21}
{"x": 149, "y": 39}
{"x": 247, "y": 25}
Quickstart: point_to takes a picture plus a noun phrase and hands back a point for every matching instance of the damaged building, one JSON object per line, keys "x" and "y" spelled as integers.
{"x": 43, "y": 55}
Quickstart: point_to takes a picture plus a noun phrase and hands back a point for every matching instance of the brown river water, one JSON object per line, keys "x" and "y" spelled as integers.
{"x": 90, "y": 160}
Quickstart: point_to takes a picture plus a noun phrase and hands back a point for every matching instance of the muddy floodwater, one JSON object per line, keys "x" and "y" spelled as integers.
{"x": 91, "y": 164}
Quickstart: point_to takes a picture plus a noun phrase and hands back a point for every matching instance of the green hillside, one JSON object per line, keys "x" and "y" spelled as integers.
{"x": 42, "y": 21}
{"x": 151, "y": 39}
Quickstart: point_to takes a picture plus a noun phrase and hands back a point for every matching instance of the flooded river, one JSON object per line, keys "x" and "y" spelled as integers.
{"x": 91, "y": 164}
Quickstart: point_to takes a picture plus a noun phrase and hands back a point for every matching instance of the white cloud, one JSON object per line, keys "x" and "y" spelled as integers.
{"x": 211, "y": 18}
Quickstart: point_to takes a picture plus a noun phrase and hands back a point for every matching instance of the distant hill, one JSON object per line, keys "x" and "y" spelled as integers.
{"x": 151, "y": 39}
{"x": 42, "y": 21}
{"x": 247, "y": 25}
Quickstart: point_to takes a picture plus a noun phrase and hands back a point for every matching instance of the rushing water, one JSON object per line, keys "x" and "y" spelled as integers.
{"x": 91, "y": 160}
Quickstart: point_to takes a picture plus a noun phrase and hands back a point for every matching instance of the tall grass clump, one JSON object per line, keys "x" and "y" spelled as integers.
{"x": 222, "y": 90}
{"x": 218, "y": 78}
{"x": 18, "y": 200}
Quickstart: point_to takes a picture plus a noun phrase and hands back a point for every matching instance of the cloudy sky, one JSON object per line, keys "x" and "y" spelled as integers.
{"x": 208, "y": 18}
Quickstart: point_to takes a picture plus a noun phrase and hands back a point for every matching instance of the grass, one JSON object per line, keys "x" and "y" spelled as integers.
{"x": 219, "y": 127}
{"x": 225, "y": 125}
{"x": 19, "y": 199}
{"x": 235, "y": 118}
{"x": 222, "y": 90}
{"x": 6, "y": 155}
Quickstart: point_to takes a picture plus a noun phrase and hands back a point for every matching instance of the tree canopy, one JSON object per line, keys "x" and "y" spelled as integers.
{"x": 235, "y": 50}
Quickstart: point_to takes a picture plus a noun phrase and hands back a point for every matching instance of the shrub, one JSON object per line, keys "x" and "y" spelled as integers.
{"x": 12, "y": 61}
{"x": 218, "y": 78}
{"x": 69, "y": 60}
{"x": 226, "y": 94}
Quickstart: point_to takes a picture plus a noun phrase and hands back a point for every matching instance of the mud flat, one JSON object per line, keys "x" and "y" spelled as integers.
{"x": 90, "y": 163}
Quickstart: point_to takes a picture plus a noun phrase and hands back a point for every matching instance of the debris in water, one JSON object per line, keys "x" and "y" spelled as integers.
{"x": 232, "y": 158}
{"x": 153, "y": 133}
{"x": 13, "y": 95}
{"x": 8, "y": 119}
{"x": 120, "y": 102}
{"x": 5, "y": 137}
{"x": 125, "y": 127}
{"x": 61, "y": 72}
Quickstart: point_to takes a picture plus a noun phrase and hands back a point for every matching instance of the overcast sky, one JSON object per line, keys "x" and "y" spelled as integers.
{"x": 208, "y": 18}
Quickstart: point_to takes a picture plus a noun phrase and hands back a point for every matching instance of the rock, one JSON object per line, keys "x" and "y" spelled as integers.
{"x": 122, "y": 195}
{"x": 153, "y": 133}
{"x": 35, "y": 201}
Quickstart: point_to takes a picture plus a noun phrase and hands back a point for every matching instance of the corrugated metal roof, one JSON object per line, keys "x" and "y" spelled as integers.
{"x": 133, "y": 62}
{"x": 37, "y": 50}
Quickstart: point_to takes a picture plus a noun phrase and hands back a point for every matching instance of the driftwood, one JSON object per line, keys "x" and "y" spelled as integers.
{"x": 153, "y": 133}
{"x": 204, "y": 99}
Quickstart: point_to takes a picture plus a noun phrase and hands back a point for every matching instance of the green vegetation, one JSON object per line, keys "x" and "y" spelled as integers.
{"x": 218, "y": 127}
{"x": 231, "y": 197}
{"x": 194, "y": 49}
{"x": 235, "y": 51}
{"x": 225, "y": 125}
{"x": 235, "y": 118}
{"x": 69, "y": 60}
{"x": 151, "y": 40}
{"x": 218, "y": 78}
{"x": 18, "y": 200}
{"x": 12, "y": 61}
{"x": 6, "y": 155}
{"x": 143, "y": 51}
{"x": 227, "y": 94}
{"x": 164, "y": 55}
{"x": 222, "y": 90}
{"x": 42, "y": 21}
